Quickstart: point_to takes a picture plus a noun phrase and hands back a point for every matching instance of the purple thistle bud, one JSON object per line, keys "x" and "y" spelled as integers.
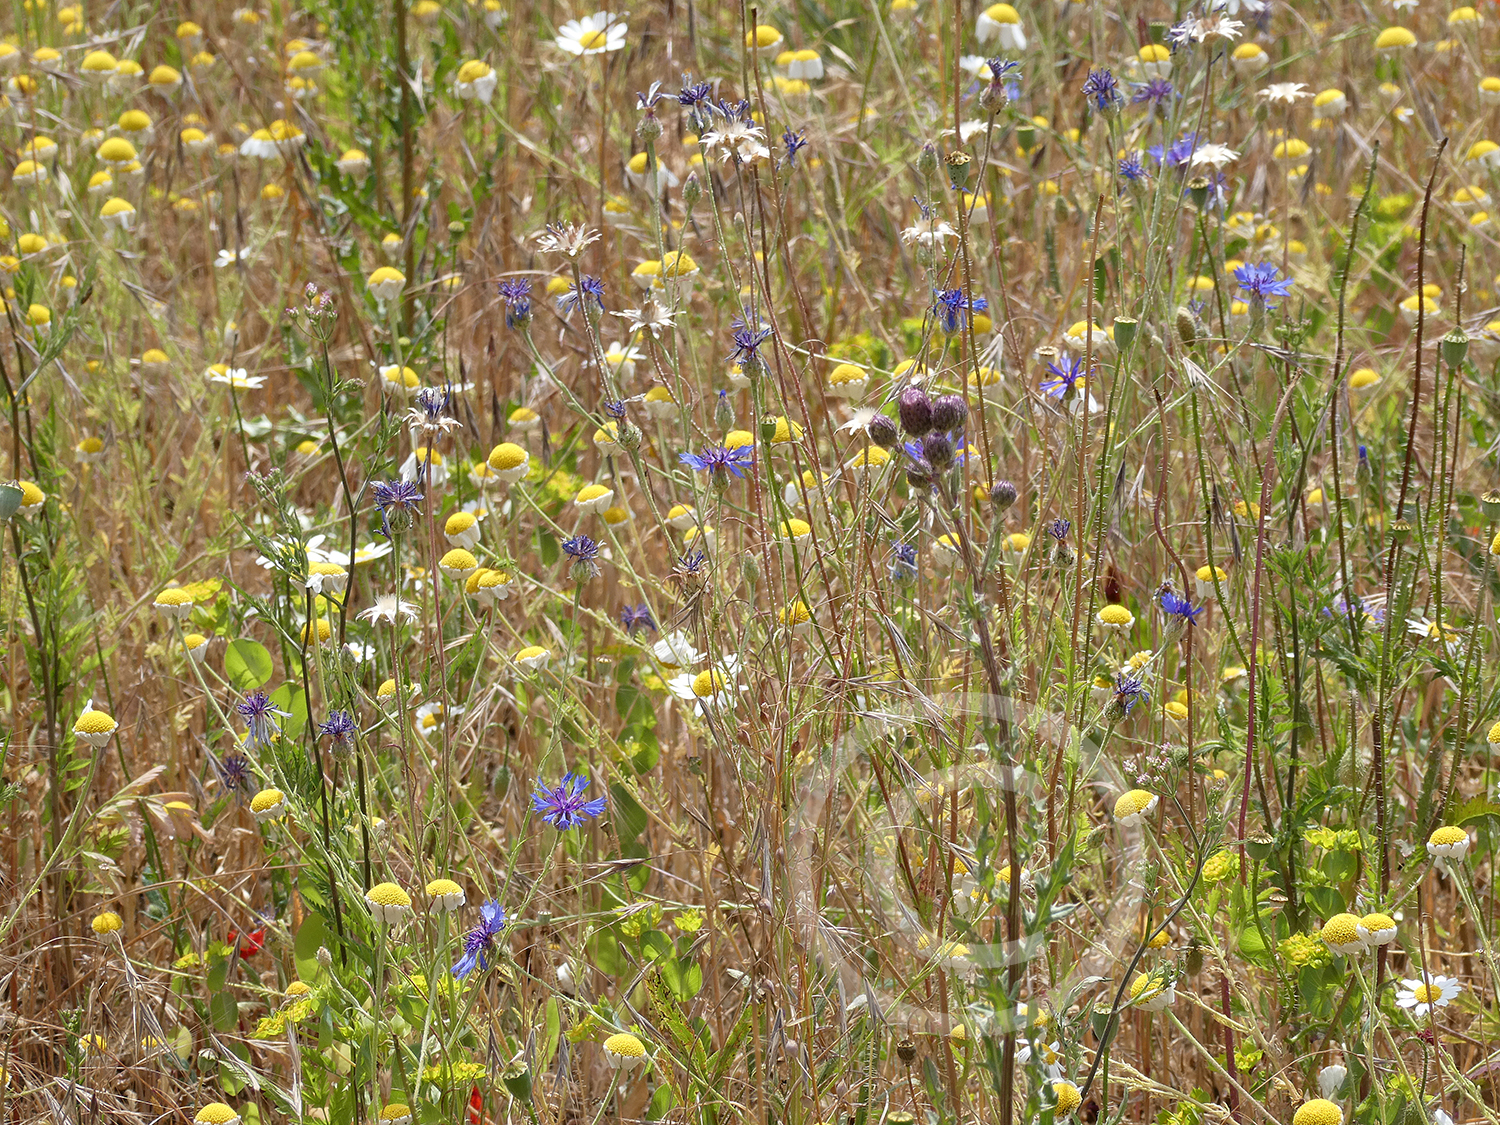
{"x": 948, "y": 412}
{"x": 916, "y": 411}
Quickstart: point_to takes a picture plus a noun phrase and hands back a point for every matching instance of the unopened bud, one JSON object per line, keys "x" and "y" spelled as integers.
{"x": 927, "y": 160}
{"x": 916, "y": 411}
{"x": 883, "y": 432}
{"x": 324, "y": 958}
{"x": 948, "y": 412}
{"x": 648, "y": 128}
{"x": 692, "y": 191}
{"x": 1002, "y": 496}
{"x": 1187, "y": 325}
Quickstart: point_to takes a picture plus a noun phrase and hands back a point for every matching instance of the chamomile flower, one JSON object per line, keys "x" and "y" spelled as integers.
{"x": 1003, "y": 23}
{"x": 94, "y": 726}
{"x": 624, "y": 1052}
{"x": 1341, "y": 934}
{"x": 216, "y": 1113}
{"x": 1421, "y": 996}
{"x": 597, "y": 34}
{"x": 1115, "y": 619}
{"x": 475, "y": 81}
{"x": 1134, "y": 807}
{"x": 445, "y": 895}
{"x": 174, "y": 602}
{"x": 533, "y": 658}
{"x": 107, "y": 924}
{"x": 388, "y": 903}
{"x": 1449, "y": 843}
{"x": 268, "y": 804}
{"x": 1153, "y": 992}
{"x": 1318, "y": 1111}
{"x": 1377, "y": 929}
{"x": 509, "y": 462}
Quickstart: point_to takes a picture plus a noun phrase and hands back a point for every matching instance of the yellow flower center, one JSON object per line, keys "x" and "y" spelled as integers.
{"x": 592, "y": 40}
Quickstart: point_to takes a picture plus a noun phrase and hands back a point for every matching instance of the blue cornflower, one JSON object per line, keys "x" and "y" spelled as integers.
{"x": 904, "y": 563}
{"x": 1065, "y": 378}
{"x": 432, "y": 407}
{"x": 1102, "y": 89}
{"x": 516, "y": 293}
{"x": 693, "y": 93}
{"x": 340, "y": 727}
{"x": 747, "y": 346}
{"x": 648, "y": 100}
{"x": 795, "y": 143}
{"x": 637, "y": 617}
{"x": 1364, "y": 459}
{"x": 954, "y": 310}
{"x": 234, "y": 771}
{"x": 396, "y": 499}
{"x": 692, "y": 563}
{"x": 1131, "y": 168}
{"x": 1154, "y": 93}
{"x": 585, "y": 554}
{"x": 1001, "y": 69}
{"x": 1180, "y": 612}
{"x": 1129, "y": 690}
{"x": 564, "y": 806}
{"x": 479, "y": 943}
{"x": 259, "y": 714}
{"x": 1178, "y": 153}
{"x": 1059, "y": 528}
{"x": 615, "y": 408}
{"x": 1262, "y": 280}
{"x": 589, "y": 290}
{"x": 718, "y": 461}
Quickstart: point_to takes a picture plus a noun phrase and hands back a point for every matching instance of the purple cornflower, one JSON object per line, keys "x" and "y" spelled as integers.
{"x": 1156, "y": 94}
{"x": 479, "y": 943}
{"x": 954, "y": 310}
{"x": 747, "y": 346}
{"x": 234, "y": 771}
{"x": 340, "y": 727}
{"x": 692, "y": 563}
{"x": 904, "y": 563}
{"x": 1178, "y": 153}
{"x": 432, "y": 405}
{"x": 1131, "y": 168}
{"x": 589, "y": 290}
{"x": 516, "y": 293}
{"x": 1059, "y": 528}
{"x": 1129, "y": 690}
{"x": 1180, "y": 612}
{"x": 1065, "y": 378}
{"x": 615, "y": 408}
{"x": 795, "y": 143}
{"x": 1262, "y": 280}
{"x": 1102, "y": 89}
{"x": 1000, "y": 69}
{"x": 398, "y": 499}
{"x": 719, "y": 462}
{"x": 564, "y": 806}
{"x": 637, "y": 617}
{"x": 648, "y": 100}
{"x": 260, "y": 714}
{"x": 693, "y": 93}
{"x": 585, "y": 554}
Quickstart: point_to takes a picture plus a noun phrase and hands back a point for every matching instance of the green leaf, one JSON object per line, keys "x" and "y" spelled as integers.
{"x": 548, "y": 1046}
{"x": 310, "y": 935}
{"x": 661, "y": 1103}
{"x": 223, "y": 1011}
{"x": 683, "y": 978}
{"x": 1475, "y": 810}
{"x": 247, "y": 664}
{"x": 656, "y": 945}
{"x": 290, "y": 697}
{"x": 630, "y": 818}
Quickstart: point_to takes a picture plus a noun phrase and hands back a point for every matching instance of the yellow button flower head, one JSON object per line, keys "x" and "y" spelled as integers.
{"x": 509, "y": 461}
{"x": 106, "y": 924}
{"x": 462, "y": 530}
{"x": 1152, "y": 992}
{"x": 216, "y": 1113}
{"x": 94, "y": 727}
{"x": 1134, "y": 807}
{"x": 32, "y": 497}
{"x": 164, "y": 79}
{"x": 353, "y": 162}
{"x": 1494, "y": 736}
{"x": 174, "y": 602}
{"x": 1448, "y": 842}
{"x": 397, "y": 1113}
{"x": 1341, "y": 934}
{"x": 385, "y": 284}
{"x": 1485, "y": 152}
{"x": 1363, "y": 379}
{"x": 1002, "y": 22}
{"x": 98, "y": 66}
{"x": 624, "y": 1051}
{"x": 533, "y": 657}
{"x": 524, "y": 418}
{"x": 786, "y": 432}
{"x": 1115, "y": 618}
{"x": 458, "y": 564}
{"x": 116, "y": 151}
{"x": 796, "y": 530}
{"x": 388, "y": 903}
{"x": 1392, "y": 40}
{"x": 196, "y": 645}
{"x": 1464, "y": 17}
{"x": 268, "y": 804}
{"x": 1068, "y": 1098}
{"x": 1318, "y": 1111}
{"x": 765, "y": 40}
{"x": 594, "y": 498}
{"x": 1377, "y": 929}
{"x": 446, "y": 895}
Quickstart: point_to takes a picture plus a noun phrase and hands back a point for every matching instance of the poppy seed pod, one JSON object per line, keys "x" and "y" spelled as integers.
{"x": 916, "y": 411}
{"x": 1455, "y": 346}
{"x": 948, "y": 413}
